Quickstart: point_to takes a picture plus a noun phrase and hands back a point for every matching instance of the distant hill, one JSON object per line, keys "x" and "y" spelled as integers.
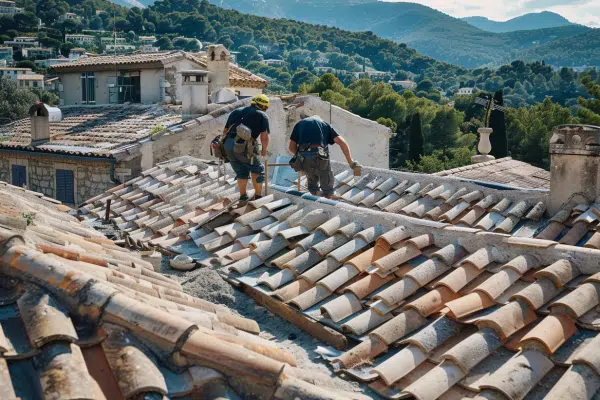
{"x": 525, "y": 22}
{"x": 429, "y": 31}
{"x": 572, "y": 51}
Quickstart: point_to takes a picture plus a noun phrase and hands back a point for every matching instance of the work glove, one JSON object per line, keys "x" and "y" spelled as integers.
{"x": 264, "y": 158}
{"x": 354, "y": 164}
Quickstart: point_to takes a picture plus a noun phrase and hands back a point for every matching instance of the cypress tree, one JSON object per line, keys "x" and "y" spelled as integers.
{"x": 498, "y": 138}
{"x": 416, "y": 139}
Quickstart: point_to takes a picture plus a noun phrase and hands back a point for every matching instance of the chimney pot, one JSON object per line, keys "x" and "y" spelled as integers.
{"x": 195, "y": 92}
{"x": 40, "y": 124}
{"x": 575, "y": 165}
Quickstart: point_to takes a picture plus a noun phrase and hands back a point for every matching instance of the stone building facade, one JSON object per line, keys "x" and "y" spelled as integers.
{"x": 89, "y": 177}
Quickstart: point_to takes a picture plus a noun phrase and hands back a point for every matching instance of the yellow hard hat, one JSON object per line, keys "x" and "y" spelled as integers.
{"x": 261, "y": 100}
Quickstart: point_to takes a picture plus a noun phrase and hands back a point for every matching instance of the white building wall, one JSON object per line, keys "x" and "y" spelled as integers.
{"x": 369, "y": 141}
{"x": 150, "y": 85}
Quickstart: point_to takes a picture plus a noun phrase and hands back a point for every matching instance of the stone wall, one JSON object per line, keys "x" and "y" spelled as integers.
{"x": 4, "y": 170}
{"x": 91, "y": 178}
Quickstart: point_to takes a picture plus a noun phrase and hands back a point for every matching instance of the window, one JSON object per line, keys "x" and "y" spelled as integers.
{"x": 65, "y": 186}
{"x": 88, "y": 88}
{"x": 19, "y": 175}
{"x": 35, "y": 84}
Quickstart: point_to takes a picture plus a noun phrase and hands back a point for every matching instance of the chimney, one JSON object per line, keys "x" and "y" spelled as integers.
{"x": 574, "y": 165}
{"x": 40, "y": 124}
{"x": 195, "y": 92}
{"x": 218, "y": 64}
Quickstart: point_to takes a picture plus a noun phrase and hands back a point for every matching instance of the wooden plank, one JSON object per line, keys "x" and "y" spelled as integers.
{"x": 315, "y": 329}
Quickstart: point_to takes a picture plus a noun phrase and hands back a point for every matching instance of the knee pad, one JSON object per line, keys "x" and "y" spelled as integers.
{"x": 260, "y": 179}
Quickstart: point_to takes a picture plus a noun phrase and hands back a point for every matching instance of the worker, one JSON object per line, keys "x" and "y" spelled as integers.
{"x": 310, "y": 142}
{"x": 245, "y": 126}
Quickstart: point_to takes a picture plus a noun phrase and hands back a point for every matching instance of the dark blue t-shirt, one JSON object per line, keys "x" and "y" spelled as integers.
{"x": 250, "y": 116}
{"x": 311, "y": 131}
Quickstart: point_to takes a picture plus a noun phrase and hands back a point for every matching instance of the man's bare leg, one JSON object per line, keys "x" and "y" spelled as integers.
{"x": 257, "y": 186}
{"x": 242, "y": 185}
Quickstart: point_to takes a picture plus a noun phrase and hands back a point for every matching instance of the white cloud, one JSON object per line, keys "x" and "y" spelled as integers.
{"x": 580, "y": 11}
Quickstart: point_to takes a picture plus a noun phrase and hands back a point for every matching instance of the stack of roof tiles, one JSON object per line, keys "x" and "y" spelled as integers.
{"x": 81, "y": 318}
{"x": 462, "y": 204}
{"x": 93, "y": 130}
{"x": 439, "y": 311}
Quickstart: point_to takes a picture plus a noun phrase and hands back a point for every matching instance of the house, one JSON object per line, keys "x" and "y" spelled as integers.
{"x": 31, "y": 81}
{"x": 406, "y": 84}
{"x": 51, "y": 61}
{"x": 105, "y": 40}
{"x": 465, "y": 91}
{"x": 147, "y": 39}
{"x": 69, "y": 16}
{"x": 119, "y": 48}
{"x": 13, "y": 73}
{"x": 23, "y": 42}
{"x": 87, "y": 40}
{"x": 8, "y": 7}
{"x": 77, "y": 52}
{"x": 70, "y": 154}
{"x": 148, "y": 48}
{"x": 274, "y": 63}
{"x": 37, "y": 52}
{"x": 6, "y": 54}
{"x": 423, "y": 287}
{"x": 148, "y": 78}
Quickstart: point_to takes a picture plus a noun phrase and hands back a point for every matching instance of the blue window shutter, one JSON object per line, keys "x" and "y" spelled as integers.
{"x": 19, "y": 175}
{"x": 65, "y": 186}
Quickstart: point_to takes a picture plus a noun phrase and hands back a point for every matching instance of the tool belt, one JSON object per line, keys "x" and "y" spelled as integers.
{"x": 244, "y": 142}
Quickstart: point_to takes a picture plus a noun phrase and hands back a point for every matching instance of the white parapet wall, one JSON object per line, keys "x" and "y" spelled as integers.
{"x": 368, "y": 140}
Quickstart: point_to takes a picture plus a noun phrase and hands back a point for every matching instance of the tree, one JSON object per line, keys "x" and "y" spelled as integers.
{"x": 391, "y": 106}
{"x": 590, "y": 108}
{"x": 247, "y": 53}
{"x": 302, "y": 77}
{"x": 417, "y": 140}
{"x": 498, "y": 138}
{"x": 14, "y": 101}
{"x": 26, "y": 64}
{"x": 164, "y": 43}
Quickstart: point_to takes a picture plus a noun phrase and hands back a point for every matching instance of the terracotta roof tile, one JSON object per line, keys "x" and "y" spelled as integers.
{"x": 457, "y": 300}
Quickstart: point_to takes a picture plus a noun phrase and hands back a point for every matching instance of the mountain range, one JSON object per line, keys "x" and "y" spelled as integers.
{"x": 471, "y": 43}
{"x": 524, "y": 22}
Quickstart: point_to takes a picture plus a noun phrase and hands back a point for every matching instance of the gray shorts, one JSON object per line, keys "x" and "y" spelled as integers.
{"x": 320, "y": 177}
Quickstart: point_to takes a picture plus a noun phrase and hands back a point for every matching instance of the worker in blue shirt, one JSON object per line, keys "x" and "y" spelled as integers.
{"x": 310, "y": 141}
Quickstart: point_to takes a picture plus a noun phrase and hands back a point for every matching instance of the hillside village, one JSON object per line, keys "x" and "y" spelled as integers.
{"x": 457, "y": 257}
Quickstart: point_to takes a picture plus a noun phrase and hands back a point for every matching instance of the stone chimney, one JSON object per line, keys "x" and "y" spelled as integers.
{"x": 195, "y": 92}
{"x": 40, "y": 124}
{"x": 218, "y": 64}
{"x": 574, "y": 165}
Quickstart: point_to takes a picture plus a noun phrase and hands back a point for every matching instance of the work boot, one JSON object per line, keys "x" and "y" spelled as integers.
{"x": 243, "y": 202}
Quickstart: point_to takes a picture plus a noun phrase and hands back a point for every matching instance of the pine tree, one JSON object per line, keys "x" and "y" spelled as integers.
{"x": 498, "y": 138}
{"x": 415, "y": 150}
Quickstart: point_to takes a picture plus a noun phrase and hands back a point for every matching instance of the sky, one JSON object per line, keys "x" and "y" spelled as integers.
{"x": 585, "y": 12}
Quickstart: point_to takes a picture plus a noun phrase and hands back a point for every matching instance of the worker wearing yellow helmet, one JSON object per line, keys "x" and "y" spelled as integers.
{"x": 246, "y": 142}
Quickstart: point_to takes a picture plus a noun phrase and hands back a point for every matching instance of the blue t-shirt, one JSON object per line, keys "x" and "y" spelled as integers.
{"x": 313, "y": 131}
{"x": 252, "y": 117}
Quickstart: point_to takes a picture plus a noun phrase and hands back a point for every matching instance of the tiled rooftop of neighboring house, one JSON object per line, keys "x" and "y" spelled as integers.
{"x": 95, "y": 130}
{"x": 504, "y": 171}
{"x": 238, "y": 76}
{"x": 431, "y": 309}
{"x": 81, "y": 318}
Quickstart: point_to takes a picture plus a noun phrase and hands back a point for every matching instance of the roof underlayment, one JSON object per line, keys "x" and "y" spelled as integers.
{"x": 453, "y": 291}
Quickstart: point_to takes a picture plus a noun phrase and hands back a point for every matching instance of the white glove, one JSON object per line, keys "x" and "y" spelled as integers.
{"x": 264, "y": 158}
